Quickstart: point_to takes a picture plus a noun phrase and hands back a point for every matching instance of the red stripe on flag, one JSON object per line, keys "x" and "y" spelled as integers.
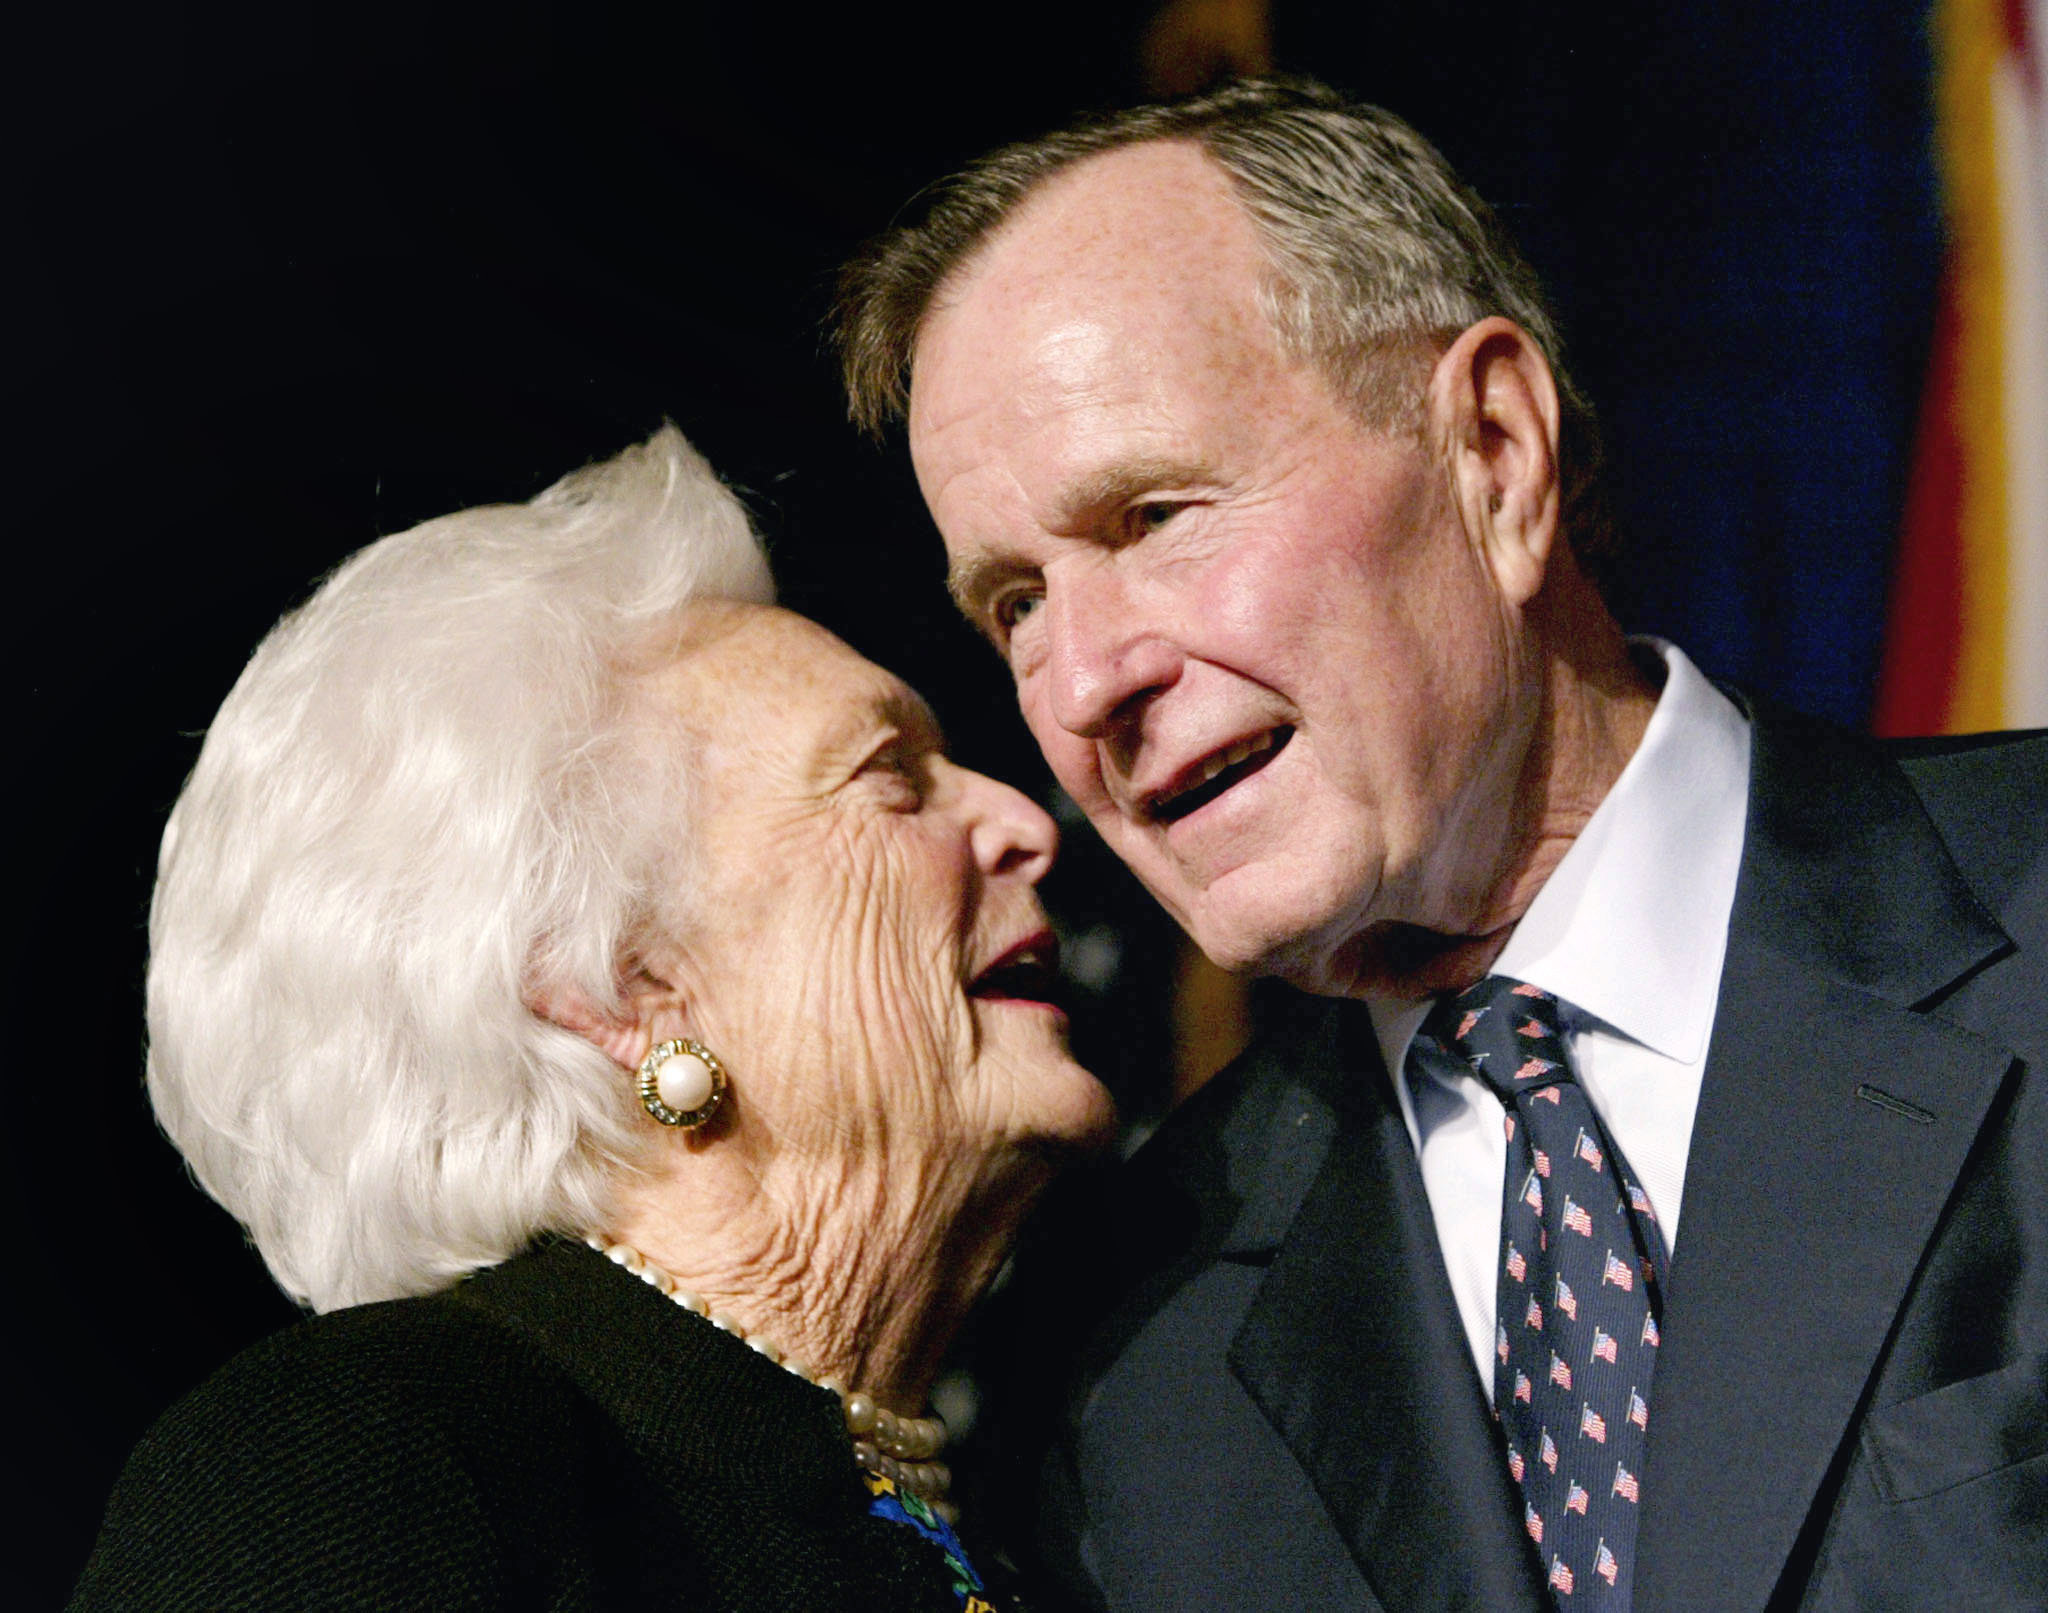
{"x": 2019, "y": 43}
{"x": 1923, "y": 640}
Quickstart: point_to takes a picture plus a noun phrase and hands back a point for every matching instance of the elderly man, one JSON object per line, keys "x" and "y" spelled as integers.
{"x": 1247, "y": 433}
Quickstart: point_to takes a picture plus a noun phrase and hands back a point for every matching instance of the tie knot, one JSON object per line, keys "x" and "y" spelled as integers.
{"x": 1510, "y": 1034}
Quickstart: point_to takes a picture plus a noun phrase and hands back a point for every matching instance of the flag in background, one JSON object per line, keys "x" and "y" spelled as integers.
{"x": 1967, "y": 646}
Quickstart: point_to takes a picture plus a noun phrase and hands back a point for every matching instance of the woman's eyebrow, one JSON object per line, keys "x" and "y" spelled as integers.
{"x": 893, "y": 720}
{"x": 908, "y": 713}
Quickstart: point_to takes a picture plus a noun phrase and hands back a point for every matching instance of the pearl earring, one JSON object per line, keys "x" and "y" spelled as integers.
{"x": 682, "y": 1083}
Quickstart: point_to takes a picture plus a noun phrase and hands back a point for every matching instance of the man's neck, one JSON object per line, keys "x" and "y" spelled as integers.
{"x": 1597, "y": 701}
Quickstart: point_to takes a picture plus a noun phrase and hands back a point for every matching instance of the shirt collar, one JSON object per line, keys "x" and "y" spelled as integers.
{"x": 1631, "y": 926}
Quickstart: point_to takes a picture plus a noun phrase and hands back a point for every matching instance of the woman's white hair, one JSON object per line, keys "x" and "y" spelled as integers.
{"x": 429, "y": 794}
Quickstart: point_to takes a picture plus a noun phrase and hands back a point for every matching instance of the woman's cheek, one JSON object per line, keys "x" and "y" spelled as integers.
{"x": 837, "y": 933}
{"x": 849, "y": 958}
{"x": 907, "y": 914}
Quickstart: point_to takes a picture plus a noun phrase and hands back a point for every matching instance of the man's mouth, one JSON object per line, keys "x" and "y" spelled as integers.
{"x": 1215, "y": 773}
{"x": 1028, "y": 972}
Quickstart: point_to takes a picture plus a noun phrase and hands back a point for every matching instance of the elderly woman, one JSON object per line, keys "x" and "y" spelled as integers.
{"x": 603, "y": 1002}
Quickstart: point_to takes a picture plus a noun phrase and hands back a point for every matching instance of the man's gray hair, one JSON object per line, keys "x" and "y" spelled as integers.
{"x": 1378, "y": 253}
{"x": 430, "y": 796}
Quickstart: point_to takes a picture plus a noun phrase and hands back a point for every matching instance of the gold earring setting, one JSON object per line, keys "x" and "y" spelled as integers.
{"x": 682, "y": 1083}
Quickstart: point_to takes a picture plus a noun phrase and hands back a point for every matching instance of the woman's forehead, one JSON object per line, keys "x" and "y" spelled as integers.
{"x": 763, "y": 674}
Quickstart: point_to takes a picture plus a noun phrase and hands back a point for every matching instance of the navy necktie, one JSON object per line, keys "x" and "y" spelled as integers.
{"x": 1580, "y": 1280}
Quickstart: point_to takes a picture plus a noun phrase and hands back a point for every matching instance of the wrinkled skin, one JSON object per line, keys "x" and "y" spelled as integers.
{"x": 1181, "y": 540}
{"x": 885, "y": 1129}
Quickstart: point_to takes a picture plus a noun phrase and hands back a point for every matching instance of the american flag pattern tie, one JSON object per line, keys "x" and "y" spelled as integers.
{"x": 1580, "y": 1283}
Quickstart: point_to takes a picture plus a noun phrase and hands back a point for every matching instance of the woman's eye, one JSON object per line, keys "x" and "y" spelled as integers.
{"x": 900, "y": 777}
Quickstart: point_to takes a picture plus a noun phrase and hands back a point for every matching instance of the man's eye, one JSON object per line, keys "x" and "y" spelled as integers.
{"x": 1012, "y": 609}
{"x": 1151, "y": 517}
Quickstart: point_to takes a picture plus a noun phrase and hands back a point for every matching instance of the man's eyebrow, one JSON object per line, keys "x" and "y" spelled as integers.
{"x": 1116, "y": 485}
{"x": 974, "y": 580}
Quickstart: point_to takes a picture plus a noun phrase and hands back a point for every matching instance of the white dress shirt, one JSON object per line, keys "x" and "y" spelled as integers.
{"x": 1629, "y": 932}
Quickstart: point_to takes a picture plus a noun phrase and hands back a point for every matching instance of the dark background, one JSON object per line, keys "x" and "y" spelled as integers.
{"x": 292, "y": 285}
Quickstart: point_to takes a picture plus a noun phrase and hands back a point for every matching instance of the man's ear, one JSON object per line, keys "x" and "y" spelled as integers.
{"x": 649, "y": 1010}
{"x": 1493, "y": 405}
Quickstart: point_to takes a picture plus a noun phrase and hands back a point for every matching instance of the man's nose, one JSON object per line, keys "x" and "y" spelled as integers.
{"x": 1104, "y": 654}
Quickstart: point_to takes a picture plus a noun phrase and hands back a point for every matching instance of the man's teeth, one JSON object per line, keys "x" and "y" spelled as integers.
{"x": 1235, "y": 754}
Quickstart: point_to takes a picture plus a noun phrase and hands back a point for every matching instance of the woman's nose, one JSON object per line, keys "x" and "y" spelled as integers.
{"x": 1010, "y": 833}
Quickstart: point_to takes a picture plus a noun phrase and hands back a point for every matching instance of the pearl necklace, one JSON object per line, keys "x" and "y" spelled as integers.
{"x": 900, "y": 1449}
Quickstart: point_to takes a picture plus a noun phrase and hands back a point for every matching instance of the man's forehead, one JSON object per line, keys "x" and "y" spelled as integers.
{"x": 1155, "y": 225}
{"x": 1122, "y": 206}
{"x": 1126, "y": 292}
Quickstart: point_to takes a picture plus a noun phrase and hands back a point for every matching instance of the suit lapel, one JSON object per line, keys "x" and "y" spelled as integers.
{"x": 1834, "y": 1118}
{"x": 1352, "y": 1350}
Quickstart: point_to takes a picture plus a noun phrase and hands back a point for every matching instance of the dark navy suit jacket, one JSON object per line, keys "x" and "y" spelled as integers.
{"x": 1273, "y": 1404}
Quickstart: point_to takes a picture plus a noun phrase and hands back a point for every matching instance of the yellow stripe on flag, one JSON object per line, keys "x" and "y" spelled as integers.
{"x": 1969, "y": 48}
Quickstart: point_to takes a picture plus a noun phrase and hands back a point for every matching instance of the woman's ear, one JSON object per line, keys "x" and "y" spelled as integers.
{"x": 648, "y": 1010}
{"x": 1493, "y": 403}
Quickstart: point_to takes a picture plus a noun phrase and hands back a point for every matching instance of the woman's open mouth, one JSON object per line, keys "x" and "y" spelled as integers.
{"x": 1028, "y": 973}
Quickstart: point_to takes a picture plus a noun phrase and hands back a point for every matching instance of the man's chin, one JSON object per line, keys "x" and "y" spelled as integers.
{"x": 1336, "y": 960}
{"x": 1303, "y": 958}
{"x": 1263, "y": 920}
{"x": 1409, "y": 961}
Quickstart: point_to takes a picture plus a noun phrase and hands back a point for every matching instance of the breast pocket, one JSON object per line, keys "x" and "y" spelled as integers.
{"x": 1961, "y": 1431}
